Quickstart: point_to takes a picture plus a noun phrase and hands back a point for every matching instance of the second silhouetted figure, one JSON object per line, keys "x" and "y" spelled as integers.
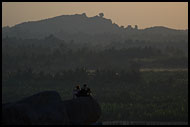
{"x": 85, "y": 91}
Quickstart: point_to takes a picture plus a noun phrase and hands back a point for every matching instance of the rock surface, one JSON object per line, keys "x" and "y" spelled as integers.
{"x": 48, "y": 108}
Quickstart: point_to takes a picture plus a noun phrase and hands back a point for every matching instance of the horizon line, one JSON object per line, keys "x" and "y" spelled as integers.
{"x": 89, "y": 17}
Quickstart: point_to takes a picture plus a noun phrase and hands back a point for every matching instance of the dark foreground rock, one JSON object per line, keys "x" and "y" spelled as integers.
{"x": 48, "y": 108}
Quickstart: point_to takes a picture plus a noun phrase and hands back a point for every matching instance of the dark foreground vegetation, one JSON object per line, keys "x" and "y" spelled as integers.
{"x": 126, "y": 95}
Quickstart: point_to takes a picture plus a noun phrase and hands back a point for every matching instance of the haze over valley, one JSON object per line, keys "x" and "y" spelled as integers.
{"x": 135, "y": 73}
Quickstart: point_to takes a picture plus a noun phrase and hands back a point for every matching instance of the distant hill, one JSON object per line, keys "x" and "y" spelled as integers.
{"x": 81, "y": 28}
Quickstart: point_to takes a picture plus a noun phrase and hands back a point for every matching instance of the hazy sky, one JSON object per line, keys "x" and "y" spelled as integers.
{"x": 144, "y": 14}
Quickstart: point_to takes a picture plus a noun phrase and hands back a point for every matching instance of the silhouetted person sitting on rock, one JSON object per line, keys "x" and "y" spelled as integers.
{"x": 76, "y": 92}
{"x": 85, "y": 91}
{"x": 89, "y": 92}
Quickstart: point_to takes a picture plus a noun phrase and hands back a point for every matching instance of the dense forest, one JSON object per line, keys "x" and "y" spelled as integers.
{"x": 53, "y": 55}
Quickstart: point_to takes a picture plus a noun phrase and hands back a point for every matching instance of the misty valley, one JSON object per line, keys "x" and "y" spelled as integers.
{"x": 134, "y": 74}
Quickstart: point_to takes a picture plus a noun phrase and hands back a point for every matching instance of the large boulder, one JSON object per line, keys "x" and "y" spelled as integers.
{"x": 83, "y": 110}
{"x": 48, "y": 108}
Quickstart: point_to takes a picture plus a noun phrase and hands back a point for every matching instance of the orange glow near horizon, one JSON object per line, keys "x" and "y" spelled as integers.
{"x": 144, "y": 14}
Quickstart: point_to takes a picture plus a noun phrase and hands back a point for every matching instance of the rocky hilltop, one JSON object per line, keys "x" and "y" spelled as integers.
{"x": 81, "y": 28}
{"x": 47, "y": 108}
{"x": 64, "y": 24}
